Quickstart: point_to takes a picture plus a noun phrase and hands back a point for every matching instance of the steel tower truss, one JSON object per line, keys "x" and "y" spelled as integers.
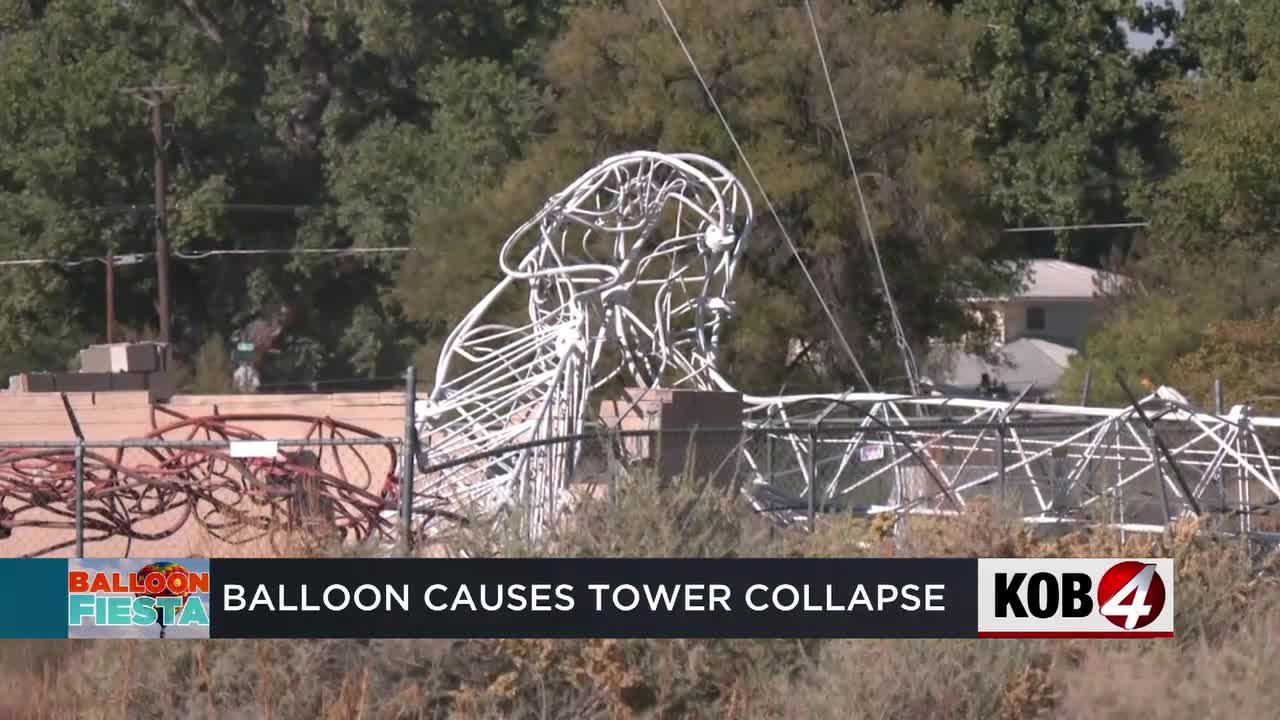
{"x": 624, "y": 278}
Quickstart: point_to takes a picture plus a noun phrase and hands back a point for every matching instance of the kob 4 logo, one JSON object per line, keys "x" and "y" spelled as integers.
{"x": 1075, "y": 598}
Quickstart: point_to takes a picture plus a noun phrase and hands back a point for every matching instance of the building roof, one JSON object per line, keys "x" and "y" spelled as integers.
{"x": 1062, "y": 280}
{"x": 1030, "y": 360}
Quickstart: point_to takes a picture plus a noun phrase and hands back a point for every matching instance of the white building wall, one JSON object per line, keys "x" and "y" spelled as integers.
{"x": 1065, "y": 321}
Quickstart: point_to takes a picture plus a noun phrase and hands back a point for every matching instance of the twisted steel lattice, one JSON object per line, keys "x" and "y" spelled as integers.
{"x": 1136, "y": 468}
{"x": 623, "y": 275}
{"x": 626, "y": 275}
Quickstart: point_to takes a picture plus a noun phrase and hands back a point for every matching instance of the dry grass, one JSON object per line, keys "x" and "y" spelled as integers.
{"x": 1221, "y": 665}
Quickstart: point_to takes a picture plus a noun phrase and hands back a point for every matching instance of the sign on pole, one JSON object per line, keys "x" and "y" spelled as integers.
{"x": 244, "y": 353}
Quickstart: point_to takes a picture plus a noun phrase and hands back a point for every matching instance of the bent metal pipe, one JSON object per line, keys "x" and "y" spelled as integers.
{"x": 625, "y": 275}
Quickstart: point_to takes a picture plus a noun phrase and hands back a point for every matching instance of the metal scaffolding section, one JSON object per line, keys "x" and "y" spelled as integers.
{"x": 1138, "y": 468}
{"x": 624, "y": 274}
{"x": 624, "y": 278}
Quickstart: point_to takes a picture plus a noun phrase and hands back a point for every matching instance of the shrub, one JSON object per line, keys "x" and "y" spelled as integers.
{"x": 1228, "y": 617}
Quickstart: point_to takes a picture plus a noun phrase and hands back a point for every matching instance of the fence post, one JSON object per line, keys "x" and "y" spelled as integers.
{"x": 79, "y": 497}
{"x": 813, "y": 477}
{"x": 409, "y": 450}
{"x": 1159, "y": 473}
{"x": 79, "y": 470}
{"x": 1217, "y": 410}
{"x": 1000, "y": 460}
{"x": 768, "y": 455}
{"x": 615, "y": 442}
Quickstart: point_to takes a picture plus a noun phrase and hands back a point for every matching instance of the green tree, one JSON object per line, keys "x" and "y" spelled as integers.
{"x": 1230, "y": 41}
{"x": 1224, "y": 132}
{"x": 1073, "y": 118}
{"x": 299, "y": 125}
{"x": 1211, "y": 260}
{"x": 1242, "y": 354}
{"x": 1167, "y": 313}
{"x": 212, "y": 370}
{"x": 621, "y": 83}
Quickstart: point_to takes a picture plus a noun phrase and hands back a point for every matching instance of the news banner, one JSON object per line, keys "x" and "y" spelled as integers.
{"x": 586, "y": 598}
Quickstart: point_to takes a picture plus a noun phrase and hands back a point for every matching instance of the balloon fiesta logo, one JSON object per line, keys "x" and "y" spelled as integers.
{"x": 160, "y": 592}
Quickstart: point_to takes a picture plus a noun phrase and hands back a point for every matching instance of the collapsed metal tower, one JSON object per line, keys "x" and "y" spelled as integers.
{"x": 624, "y": 274}
{"x": 624, "y": 277}
{"x": 1137, "y": 468}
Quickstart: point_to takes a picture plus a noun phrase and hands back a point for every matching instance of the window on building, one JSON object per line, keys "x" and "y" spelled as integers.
{"x": 1035, "y": 318}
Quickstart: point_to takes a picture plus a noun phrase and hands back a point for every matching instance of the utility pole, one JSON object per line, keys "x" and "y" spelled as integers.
{"x": 111, "y": 298}
{"x": 155, "y": 96}
{"x": 112, "y": 262}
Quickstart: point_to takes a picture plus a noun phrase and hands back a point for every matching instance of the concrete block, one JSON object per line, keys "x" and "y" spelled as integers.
{"x": 39, "y": 382}
{"x": 80, "y": 382}
{"x": 160, "y": 353}
{"x": 95, "y": 359}
{"x": 162, "y": 385}
{"x": 134, "y": 357}
{"x": 126, "y": 381}
{"x": 698, "y": 431}
{"x": 627, "y": 415}
{"x": 119, "y": 358}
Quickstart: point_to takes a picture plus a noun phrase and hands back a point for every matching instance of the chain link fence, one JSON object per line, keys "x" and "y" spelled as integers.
{"x": 204, "y": 488}
{"x": 1061, "y": 471}
{"x": 150, "y": 497}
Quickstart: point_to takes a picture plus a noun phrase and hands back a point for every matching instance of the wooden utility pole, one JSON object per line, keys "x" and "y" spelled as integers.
{"x": 113, "y": 261}
{"x": 111, "y": 298}
{"x": 155, "y": 97}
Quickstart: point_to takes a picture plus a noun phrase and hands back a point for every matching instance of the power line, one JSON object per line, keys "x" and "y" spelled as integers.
{"x": 51, "y": 261}
{"x": 295, "y": 251}
{"x": 765, "y": 196}
{"x": 1098, "y": 226}
{"x": 138, "y": 257}
{"x": 908, "y": 358}
{"x": 179, "y": 206}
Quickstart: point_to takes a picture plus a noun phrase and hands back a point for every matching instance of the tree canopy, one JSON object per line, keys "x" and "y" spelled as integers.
{"x": 1207, "y": 267}
{"x": 1072, "y": 117}
{"x": 292, "y": 125}
{"x": 621, "y": 82}
{"x": 438, "y": 127}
